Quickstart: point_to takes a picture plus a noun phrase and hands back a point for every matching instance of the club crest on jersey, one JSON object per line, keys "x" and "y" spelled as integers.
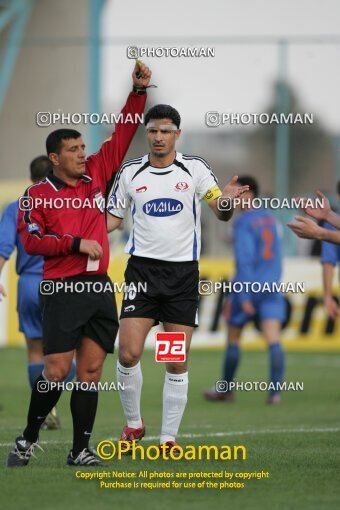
{"x": 100, "y": 201}
{"x": 162, "y": 207}
{"x": 33, "y": 227}
{"x": 181, "y": 186}
{"x": 141, "y": 189}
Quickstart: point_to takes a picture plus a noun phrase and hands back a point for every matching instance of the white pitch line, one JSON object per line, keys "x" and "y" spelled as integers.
{"x": 244, "y": 432}
{"x": 214, "y": 434}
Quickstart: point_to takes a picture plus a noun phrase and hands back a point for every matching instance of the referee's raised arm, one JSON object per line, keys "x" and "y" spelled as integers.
{"x": 111, "y": 154}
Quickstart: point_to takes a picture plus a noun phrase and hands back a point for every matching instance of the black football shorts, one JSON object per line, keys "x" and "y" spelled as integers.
{"x": 161, "y": 290}
{"x": 83, "y": 305}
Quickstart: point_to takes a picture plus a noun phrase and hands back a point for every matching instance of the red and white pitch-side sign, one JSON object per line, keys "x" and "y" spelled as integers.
{"x": 170, "y": 347}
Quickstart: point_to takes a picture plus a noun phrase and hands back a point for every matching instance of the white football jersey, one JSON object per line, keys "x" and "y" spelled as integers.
{"x": 165, "y": 206}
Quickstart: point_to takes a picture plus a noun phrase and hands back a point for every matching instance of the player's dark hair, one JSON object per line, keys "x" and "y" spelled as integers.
{"x": 163, "y": 111}
{"x": 245, "y": 180}
{"x": 338, "y": 187}
{"x": 40, "y": 167}
{"x": 55, "y": 139}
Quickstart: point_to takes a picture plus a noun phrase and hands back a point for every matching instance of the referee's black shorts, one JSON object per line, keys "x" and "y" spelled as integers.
{"x": 161, "y": 290}
{"x": 75, "y": 307}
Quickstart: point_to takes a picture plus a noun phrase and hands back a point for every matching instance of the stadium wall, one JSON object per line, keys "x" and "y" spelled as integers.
{"x": 308, "y": 327}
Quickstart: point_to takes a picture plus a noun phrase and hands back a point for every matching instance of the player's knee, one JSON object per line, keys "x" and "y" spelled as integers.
{"x": 129, "y": 358}
{"x": 56, "y": 373}
{"x": 91, "y": 373}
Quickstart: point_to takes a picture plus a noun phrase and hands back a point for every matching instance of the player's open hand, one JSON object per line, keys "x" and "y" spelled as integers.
{"x": 305, "y": 228}
{"x": 3, "y": 292}
{"x": 141, "y": 75}
{"x": 316, "y": 211}
{"x": 91, "y": 248}
{"x": 232, "y": 190}
{"x": 332, "y": 307}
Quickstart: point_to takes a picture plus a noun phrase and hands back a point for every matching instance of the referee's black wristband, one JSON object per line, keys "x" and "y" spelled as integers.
{"x": 139, "y": 90}
{"x": 76, "y": 244}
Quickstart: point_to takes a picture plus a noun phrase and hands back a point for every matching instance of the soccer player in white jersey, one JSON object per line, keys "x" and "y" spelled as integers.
{"x": 163, "y": 190}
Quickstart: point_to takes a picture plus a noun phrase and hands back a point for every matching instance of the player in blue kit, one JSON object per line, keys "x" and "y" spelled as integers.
{"x": 330, "y": 258}
{"x": 258, "y": 259}
{"x": 29, "y": 269}
{"x": 306, "y": 228}
{"x": 329, "y": 235}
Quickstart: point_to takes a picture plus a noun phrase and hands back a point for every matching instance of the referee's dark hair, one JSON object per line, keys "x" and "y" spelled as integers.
{"x": 55, "y": 139}
{"x": 163, "y": 111}
{"x": 40, "y": 167}
{"x": 245, "y": 180}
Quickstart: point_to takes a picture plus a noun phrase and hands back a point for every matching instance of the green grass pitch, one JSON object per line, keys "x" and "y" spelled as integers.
{"x": 298, "y": 442}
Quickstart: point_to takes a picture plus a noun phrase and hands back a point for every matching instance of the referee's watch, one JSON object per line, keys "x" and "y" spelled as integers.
{"x": 142, "y": 90}
{"x": 139, "y": 90}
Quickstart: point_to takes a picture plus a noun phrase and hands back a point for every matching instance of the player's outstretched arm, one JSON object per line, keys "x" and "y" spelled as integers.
{"x": 308, "y": 229}
{"x": 223, "y": 206}
{"x": 3, "y": 292}
{"x": 332, "y": 307}
{"x": 332, "y": 236}
{"x": 112, "y": 222}
{"x": 333, "y": 219}
{"x": 321, "y": 212}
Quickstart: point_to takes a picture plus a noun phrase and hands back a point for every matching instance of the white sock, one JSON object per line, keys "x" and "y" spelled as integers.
{"x": 132, "y": 380}
{"x": 175, "y": 396}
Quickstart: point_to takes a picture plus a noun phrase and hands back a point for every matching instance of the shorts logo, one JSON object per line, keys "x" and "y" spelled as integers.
{"x": 162, "y": 207}
{"x": 129, "y": 308}
{"x": 141, "y": 189}
{"x": 170, "y": 347}
{"x": 33, "y": 227}
{"x": 181, "y": 186}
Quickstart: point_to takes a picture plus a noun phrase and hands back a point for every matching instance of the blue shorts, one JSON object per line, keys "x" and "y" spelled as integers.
{"x": 268, "y": 305}
{"x": 28, "y": 305}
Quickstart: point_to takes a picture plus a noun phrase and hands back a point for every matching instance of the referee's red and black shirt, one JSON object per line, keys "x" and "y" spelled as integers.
{"x": 56, "y": 232}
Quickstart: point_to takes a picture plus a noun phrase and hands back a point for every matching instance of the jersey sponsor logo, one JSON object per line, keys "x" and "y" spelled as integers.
{"x": 181, "y": 186}
{"x": 170, "y": 347}
{"x": 162, "y": 207}
{"x": 33, "y": 227}
{"x": 129, "y": 308}
{"x": 141, "y": 189}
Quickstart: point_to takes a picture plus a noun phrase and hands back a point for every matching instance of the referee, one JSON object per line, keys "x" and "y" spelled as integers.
{"x": 74, "y": 243}
{"x": 29, "y": 269}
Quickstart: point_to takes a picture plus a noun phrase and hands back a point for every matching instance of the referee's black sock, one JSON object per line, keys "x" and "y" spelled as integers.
{"x": 83, "y": 409}
{"x": 43, "y": 399}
